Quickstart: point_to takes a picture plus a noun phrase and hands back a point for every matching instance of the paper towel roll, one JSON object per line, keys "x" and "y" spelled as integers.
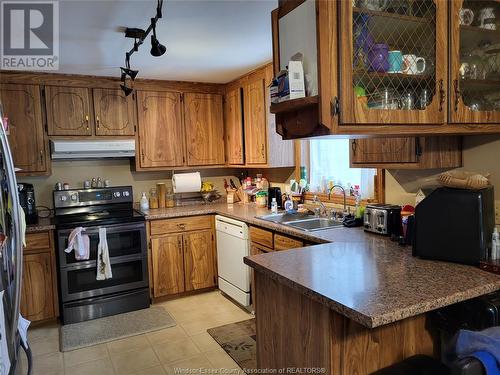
{"x": 186, "y": 182}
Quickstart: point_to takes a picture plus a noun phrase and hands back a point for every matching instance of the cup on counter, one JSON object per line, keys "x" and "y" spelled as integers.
{"x": 413, "y": 64}
{"x": 395, "y": 62}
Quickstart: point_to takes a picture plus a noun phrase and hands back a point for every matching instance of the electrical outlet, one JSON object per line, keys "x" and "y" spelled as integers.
{"x": 497, "y": 212}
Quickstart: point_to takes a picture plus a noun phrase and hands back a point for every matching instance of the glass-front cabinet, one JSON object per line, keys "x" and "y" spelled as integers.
{"x": 475, "y": 61}
{"x": 393, "y": 61}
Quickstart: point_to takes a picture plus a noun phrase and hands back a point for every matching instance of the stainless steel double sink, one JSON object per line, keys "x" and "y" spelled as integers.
{"x": 302, "y": 221}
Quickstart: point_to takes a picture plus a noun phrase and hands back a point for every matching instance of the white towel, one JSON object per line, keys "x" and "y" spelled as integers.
{"x": 103, "y": 263}
{"x": 80, "y": 243}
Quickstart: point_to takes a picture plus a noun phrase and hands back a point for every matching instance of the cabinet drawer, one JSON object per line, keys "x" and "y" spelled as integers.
{"x": 261, "y": 236}
{"x": 256, "y": 249}
{"x": 285, "y": 243}
{"x": 181, "y": 224}
{"x": 37, "y": 241}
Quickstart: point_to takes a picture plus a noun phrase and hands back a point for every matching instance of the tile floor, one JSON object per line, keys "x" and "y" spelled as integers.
{"x": 187, "y": 345}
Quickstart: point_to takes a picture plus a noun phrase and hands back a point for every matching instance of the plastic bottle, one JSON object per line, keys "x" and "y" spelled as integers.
{"x": 274, "y": 206}
{"x": 358, "y": 206}
{"x": 288, "y": 205}
{"x": 144, "y": 202}
{"x": 495, "y": 245}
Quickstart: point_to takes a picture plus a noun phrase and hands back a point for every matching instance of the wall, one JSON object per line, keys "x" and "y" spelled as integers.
{"x": 119, "y": 172}
{"x": 480, "y": 154}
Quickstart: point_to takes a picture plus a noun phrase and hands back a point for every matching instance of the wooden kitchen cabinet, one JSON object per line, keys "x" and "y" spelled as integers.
{"x": 204, "y": 124}
{"x": 233, "y": 116}
{"x": 160, "y": 137}
{"x": 168, "y": 265}
{"x": 115, "y": 113}
{"x": 68, "y": 111}
{"x": 39, "y": 289}
{"x": 21, "y": 106}
{"x": 183, "y": 255}
{"x": 406, "y": 152}
{"x": 199, "y": 260}
{"x": 255, "y": 122}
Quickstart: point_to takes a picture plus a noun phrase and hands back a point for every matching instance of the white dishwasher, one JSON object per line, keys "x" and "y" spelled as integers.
{"x": 233, "y": 244}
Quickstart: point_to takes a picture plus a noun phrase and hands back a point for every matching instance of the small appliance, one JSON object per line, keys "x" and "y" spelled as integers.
{"x": 383, "y": 219}
{"x": 27, "y": 201}
{"x": 455, "y": 225}
{"x": 274, "y": 192}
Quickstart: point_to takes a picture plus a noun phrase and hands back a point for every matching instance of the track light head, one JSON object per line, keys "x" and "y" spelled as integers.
{"x": 129, "y": 72}
{"x": 126, "y": 90}
{"x": 157, "y": 49}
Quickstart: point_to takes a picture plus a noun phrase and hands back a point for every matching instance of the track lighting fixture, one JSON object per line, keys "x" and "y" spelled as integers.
{"x": 139, "y": 35}
{"x": 157, "y": 49}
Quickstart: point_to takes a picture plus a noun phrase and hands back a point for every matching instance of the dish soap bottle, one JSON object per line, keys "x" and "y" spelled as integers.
{"x": 144, "y": 202}
{"x": 274, "y": 206}
{"x": 288, "y": 205}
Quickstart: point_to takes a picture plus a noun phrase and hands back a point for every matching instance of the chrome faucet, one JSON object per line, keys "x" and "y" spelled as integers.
{"x": 343, "y": 191}
{"x": 322, "y": 208}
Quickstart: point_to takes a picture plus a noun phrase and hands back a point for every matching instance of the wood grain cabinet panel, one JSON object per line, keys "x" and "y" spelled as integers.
{"x": 284, "y": 242}
{"x": 160, "y": 140}
{"x": 199, "y": 260}
{"x": 262, "y": 237}
{"x": 68, "y": 111}
{"x": 234, "y": 126}
{"x": 168, "y": 265}
{"x": 384, "y": 150}
{"x": 181, "y": 224}
{"x": 114, "y": 112}
{"x": 204, "y": 129}
{"x": 37, "y": 294}
{"x": 255, "y": 111}
{"x": 22, "y": 106}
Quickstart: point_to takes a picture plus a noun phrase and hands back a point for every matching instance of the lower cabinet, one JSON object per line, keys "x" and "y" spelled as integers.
{"x": 39, "y": 288}
{"x": 181, "y": 260}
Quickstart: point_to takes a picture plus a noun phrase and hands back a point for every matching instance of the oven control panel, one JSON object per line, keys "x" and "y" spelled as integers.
{"x": 88, "y": 197}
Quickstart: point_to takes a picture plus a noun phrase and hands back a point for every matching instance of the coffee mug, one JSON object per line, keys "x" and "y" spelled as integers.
{"x": 413, "y": 64}
{"x": 395, "y": 62}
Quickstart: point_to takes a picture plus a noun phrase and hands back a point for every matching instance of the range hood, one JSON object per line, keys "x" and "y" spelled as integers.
{"x": 69, "y": 149}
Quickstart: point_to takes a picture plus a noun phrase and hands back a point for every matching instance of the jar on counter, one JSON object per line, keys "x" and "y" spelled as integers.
{"x": 153, "y": 198}
{"x": 261, "y": 199}
{"x": 169, "y": 198}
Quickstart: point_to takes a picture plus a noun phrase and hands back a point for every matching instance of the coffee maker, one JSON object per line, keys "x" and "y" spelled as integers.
{"x": 27, "y": 201}
{"x": 274, "y": 192}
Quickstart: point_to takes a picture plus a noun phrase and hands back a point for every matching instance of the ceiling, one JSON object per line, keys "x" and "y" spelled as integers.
{"x": 207, "y": 41}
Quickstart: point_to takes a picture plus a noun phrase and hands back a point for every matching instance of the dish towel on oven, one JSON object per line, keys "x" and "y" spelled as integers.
{"x": 103, "y": 263}
{"x": 80, "y": 243}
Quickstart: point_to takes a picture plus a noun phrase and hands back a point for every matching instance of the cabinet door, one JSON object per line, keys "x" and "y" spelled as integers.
{"x": 393, "y": 62}
{"x": 114, "y": 112}
{"x": 204, "y": 129}
{"x": 475, "y": 63}
{"x": 199, "y": 260}
{"x": 255, "y": 122}
{"x": 68, "y": 111}
{"x": 37, "y": 295}
{"x": 161, "y": 136}
{"x": 21, "y": 105}
{"x": 168, "y": 269}
{"x": 384, "y": 150}
{"x": 234, "y": 126}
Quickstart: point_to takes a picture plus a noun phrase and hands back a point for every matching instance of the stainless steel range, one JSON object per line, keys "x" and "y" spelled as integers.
{"x": 82, "y": 297}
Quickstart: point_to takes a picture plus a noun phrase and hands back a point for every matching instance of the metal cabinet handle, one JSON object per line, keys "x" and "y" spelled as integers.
{"x": 456, "y": 87}
{"x": 354, "y": 146}
{"x": 142, "y": 155}
{"x": 87, "y": 120}
{"x": 181, "y": 225}
{"x": 98, "y": 122}
{"x": 441, "y": 95}
{"x": 41, "y": 156}
{"x": 262, "y": 150}
{"x": 179, "y": 245}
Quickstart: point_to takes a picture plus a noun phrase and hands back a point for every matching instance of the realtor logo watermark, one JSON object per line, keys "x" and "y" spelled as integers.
{"x": 30, "y": 35}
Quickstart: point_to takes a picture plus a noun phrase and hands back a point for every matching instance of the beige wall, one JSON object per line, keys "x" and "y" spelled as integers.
{"x": 119, "y": 172}
{"x": 480, "y": 154}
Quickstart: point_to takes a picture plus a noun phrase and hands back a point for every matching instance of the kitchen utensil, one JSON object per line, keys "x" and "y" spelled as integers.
{"x": 413, "y": 64}
{"x": 466, "y": 16}
{"x": 378, "y": 57}
{"x": 395, "y": 62}
{"x": 233, "y": 185}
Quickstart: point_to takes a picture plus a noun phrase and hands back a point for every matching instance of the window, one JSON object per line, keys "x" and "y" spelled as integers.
{"x": 329, "y": 161}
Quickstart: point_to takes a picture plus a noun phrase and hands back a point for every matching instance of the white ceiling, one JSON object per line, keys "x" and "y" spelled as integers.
{"x": 206, "y": 40}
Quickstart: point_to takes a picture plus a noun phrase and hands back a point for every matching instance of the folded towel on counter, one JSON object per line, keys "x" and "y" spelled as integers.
{"x": 483, "y": 345}
{"x": 80, "y": 243}
{"x": 103, "y": 263}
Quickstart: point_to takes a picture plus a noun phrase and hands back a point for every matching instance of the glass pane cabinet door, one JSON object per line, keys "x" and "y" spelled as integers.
{"x": 393, "y": 61}
{"x": 475, "y": 61}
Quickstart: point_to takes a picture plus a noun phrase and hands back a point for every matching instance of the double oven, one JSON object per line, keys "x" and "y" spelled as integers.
{"x": 82, "y": 296}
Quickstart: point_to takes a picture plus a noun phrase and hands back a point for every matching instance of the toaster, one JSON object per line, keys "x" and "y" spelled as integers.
{"x": 383, "y": 219}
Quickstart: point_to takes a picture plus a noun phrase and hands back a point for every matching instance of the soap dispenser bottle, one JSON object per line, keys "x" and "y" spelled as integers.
{"x": 144, "y": 202}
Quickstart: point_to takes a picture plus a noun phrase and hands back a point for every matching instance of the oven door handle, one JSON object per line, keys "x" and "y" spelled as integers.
{"x": 114, "y": 228}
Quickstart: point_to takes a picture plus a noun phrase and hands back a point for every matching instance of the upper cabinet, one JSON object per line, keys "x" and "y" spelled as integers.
{"x": 390, "y": 67}
{"x": 68, "y": 110}
{"x": 115, "y": 113}
{"x": 475, "y": 62}
{"x": 204, "y": 126}
{"x": 160, "y": 136}
{"x": 23, "y": 111}
{"x": 250, "y": 129}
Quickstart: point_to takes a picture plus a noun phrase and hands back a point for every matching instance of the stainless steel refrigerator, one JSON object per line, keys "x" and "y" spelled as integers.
{"x": 11, "y": 264}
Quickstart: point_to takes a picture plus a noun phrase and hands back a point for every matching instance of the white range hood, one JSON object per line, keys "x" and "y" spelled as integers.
{"x": 68, "y": 149}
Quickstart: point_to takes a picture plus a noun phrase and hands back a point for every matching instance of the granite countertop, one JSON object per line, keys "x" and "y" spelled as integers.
{"x": 44, "y": 224}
